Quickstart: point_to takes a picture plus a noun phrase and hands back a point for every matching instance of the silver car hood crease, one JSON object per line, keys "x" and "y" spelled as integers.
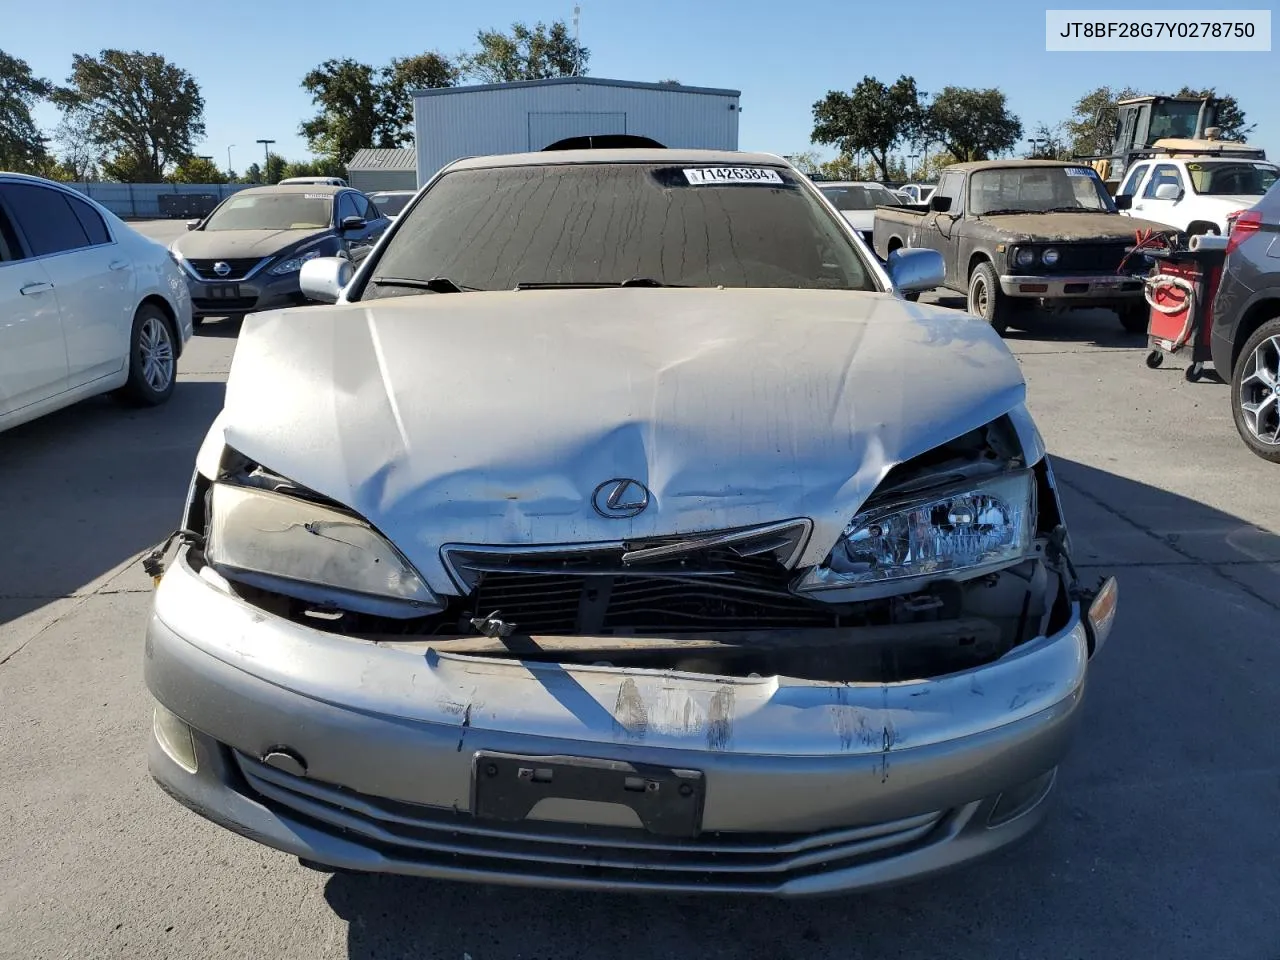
{"x": 490, "y": 418}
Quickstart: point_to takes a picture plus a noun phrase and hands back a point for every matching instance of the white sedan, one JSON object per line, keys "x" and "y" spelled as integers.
{"x": 87, "y": 304}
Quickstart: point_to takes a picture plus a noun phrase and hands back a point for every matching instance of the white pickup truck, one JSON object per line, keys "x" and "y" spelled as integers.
{"x": 1196, "y": 194}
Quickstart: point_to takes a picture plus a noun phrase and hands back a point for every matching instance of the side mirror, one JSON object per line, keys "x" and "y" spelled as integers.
{"x": 193, "y": 224}
{"x": 915, "y": 270}
{"x": 354, "y": 223}
{"x": 939, "y": 204}
{"x": 324, "y": 278}
{"x": 1168, "y": 191}
{"x": 1124, "y": 201}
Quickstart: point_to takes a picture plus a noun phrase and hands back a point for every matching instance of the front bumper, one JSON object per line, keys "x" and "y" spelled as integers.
{"x": 1091, "y": 287}
{"x": 262, "y": 291}
{"x": 810, "y": 788}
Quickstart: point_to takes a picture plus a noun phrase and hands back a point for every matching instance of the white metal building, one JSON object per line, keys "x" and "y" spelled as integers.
{"x": 454, "y": 122}
{"x": 372, "y": 169}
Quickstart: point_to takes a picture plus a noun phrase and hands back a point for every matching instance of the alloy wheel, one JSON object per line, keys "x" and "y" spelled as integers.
{"x": 155, "y": 352}
{"x": 1259, "y": 401}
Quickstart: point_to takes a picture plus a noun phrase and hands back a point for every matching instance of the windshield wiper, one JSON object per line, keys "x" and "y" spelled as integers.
{"x": 591, "y": 284}
{"x": 434, "y": 285}
{"x": 1073, "y": 210}
{"x": 1002, "y": 212}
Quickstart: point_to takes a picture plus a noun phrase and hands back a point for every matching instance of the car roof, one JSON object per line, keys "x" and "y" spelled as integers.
{"x": 391, "y": 193}
{"x": 292, "y": 188}
{"x": 634, "y": 155}
{"x": 849, "y": 183}
{"x": 975, "y": 165}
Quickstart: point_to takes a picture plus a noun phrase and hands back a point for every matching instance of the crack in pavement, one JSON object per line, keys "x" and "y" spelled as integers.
{"x": 1191, "y": 561}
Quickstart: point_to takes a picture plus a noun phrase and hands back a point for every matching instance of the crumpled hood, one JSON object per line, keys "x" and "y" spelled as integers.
{"x": 1065, "y": 227}
{"x": 491, "y": 418}
{"x": 230, "y": 244}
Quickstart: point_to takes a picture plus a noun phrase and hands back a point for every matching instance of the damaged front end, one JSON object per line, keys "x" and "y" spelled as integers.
{"x": 959, "y": 557}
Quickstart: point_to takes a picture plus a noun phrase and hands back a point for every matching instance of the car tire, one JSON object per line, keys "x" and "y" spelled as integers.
{"x": 1259, "y": 428}
{"x": 987, "y": 300}
{"x": 1135, "y": 318}
{"x": 153, "y": 358}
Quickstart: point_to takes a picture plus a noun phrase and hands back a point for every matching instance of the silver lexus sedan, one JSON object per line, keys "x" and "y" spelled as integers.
{"x": 620, "y": 525}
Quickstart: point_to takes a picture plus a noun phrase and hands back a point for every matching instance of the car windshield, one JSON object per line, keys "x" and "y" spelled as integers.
{"x": 608, "y": 223}
{"x": 391, "y": 203}
{"x": 273, "y": 211}
{"x": 1036, "y": 190}
{"x": 1232, "y": 178}
{"x": 861, "y": 196}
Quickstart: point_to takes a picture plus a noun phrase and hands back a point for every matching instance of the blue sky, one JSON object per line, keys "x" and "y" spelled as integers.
{"x": 781, "y": 56}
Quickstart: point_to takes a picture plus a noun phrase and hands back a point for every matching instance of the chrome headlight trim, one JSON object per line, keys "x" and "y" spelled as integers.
{"x": 917, "y": 543}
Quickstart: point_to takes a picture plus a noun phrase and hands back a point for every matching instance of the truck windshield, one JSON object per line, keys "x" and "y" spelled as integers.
{"x": 592, "y": 224}
{"x": 1037, "y": 190}
{"x": 1231, "y": 179}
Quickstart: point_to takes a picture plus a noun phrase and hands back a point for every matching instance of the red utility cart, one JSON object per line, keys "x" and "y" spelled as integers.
{"x": 1180, "y": 290}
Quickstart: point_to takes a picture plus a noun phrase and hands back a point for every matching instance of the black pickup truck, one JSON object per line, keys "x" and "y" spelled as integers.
{"x": 1016, "y": 234}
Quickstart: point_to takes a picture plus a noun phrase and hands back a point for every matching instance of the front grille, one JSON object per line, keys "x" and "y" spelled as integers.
{"x": 543, "y": 604}
{"x": 617, "y": 856}
{"x": 239, "y": 268}
{"x": 221, "y": 304}
{"x": 720, "y": 581}
{"x": 1090, "y": 257}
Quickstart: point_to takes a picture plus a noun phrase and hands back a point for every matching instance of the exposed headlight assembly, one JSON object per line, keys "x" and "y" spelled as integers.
{"x": 311, "y": 552}
{"x": 293, "y": 264}
{"x": 1050, "y": 256}
{"x": 1024, "y": 257}
{"x": 960, "y": 533}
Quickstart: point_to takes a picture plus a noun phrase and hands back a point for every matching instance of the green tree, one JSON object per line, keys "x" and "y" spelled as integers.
{"x": 1091, "y": 129}
{"x": 349, "y": 97}
{"x": 252, "y": 174}
{"x": 933, "y": 165}
{"x": 275, "y": 168}
{"x": 196, "y": 170}
{"x": 873, "y": 119}
{"x": 78, "y": 154}
{"x": 971, "y": 124}
{"x": 399, "y": 79}
{"x": 1231, "y": 119}
{"x": 142, "y": 110}
{"x": 22, "y": 148}
{"x": 807, "y": 161}
{"x": 1049, "y": 143}
{"x": 526, "y": 53}
{"x": 313, "y": 168}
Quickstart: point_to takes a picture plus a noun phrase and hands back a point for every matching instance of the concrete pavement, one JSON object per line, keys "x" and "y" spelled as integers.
{"x": 1162, "y": 842}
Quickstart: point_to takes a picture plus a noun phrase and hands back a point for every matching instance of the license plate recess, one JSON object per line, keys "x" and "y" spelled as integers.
{"x": 668, "y": 801}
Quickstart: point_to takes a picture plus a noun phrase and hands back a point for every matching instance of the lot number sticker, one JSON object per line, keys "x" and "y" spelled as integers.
{"x": 709, "y": 175}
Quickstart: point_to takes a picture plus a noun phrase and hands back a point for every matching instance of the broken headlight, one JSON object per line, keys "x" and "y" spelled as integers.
{"x": 959, "y": 533}
{"x": 311, "y": 552}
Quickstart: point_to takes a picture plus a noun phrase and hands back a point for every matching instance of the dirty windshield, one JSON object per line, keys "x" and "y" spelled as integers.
{"x": 1037, "y": 190}
{"x": 272, "y": 211}
{"x": 694, "y": 225}
{"x": 1232, "y": 179}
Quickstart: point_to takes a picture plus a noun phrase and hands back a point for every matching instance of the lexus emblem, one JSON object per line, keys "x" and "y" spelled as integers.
{"x": 222, "y": 268}
{"x": 620, "y": 499}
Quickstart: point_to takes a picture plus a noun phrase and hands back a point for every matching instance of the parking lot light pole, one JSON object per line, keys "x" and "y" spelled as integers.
{"x": 229, "y": 169}
{"x": 266, "y": 157}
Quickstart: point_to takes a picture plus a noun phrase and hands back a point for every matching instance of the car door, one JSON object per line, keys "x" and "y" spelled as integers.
{"x": 939, "y": 231}
{"x": 1151, "y": 207}
{"x": 93, "y": 278}
{"x": 1132, "y": 182}
{"x": 33, "y": 353}
{"x": 360, "y": 241}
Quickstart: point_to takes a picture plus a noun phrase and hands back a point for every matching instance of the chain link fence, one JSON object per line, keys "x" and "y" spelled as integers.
{"x": 152, "y": 201}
